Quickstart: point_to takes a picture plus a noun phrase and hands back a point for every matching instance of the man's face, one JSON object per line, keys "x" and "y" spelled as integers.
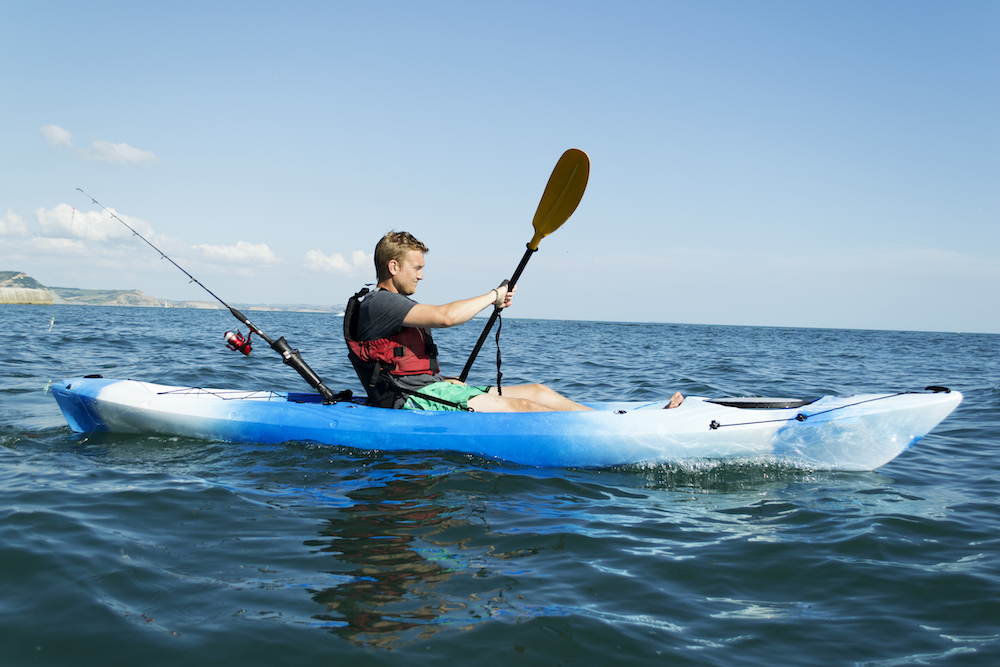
{"x": 409, "y": 272}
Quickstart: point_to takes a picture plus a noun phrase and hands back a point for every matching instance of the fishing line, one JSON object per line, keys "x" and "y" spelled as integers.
{"x": 161, "y": 253}
{"x": 235, "y": 340}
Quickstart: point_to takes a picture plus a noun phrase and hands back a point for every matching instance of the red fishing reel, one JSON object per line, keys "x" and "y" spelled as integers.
{"x": 236, "y": 341}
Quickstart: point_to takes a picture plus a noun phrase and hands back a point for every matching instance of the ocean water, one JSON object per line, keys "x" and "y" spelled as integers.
{"x": 124, "y": 550}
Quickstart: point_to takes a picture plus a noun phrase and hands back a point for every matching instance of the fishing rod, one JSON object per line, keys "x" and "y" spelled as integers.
{"x": 234, "y": 339}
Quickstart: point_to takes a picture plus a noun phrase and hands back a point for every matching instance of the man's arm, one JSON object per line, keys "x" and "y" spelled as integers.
{"x": 456, "y": 312}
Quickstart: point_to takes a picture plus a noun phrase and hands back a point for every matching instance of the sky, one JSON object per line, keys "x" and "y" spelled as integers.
{"x": 768, "y": 163}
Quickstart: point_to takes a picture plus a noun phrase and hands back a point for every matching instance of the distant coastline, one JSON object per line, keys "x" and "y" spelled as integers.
{"x": 21, "y": 289}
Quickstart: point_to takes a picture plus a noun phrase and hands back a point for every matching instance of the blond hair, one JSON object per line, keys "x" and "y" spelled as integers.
{"x": 394, "y": 246}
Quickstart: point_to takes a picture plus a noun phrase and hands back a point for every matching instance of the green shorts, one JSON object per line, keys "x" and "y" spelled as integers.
{"x": 456, "y": 393}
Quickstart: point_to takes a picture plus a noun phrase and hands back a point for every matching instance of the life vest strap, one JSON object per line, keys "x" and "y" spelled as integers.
{"x": 376, "y": 372}
{"x": 388, "y": 381}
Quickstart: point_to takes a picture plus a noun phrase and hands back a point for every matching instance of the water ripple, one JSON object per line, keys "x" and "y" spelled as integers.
{"x": 115, "y": 546}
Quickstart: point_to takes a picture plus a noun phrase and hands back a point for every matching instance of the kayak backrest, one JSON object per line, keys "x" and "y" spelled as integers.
{"x": 377, "y": 386}
{"x": 351, "y": 315}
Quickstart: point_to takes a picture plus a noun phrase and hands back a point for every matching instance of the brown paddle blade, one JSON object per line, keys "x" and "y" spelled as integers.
{"x": 562, "y": 194}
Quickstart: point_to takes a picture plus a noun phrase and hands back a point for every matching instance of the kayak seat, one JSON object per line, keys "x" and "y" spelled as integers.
{"x": 378, "y": 385}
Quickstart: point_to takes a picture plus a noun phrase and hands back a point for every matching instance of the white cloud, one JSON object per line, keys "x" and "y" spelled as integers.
{"x": 58, "y": 246}
{"x": 105, "y": 151}
{"x": 11, "y": 224}
{"x": 63, "y": 228}
{"x": 66, "y": 222}
{"x": 316, "y": 260}
{"x": 239, "y": 253}
{"x": 56, "y": 136}
{"x": 101, "y": 151}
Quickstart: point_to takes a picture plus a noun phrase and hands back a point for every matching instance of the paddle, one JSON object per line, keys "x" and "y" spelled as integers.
{"x": 562, "y": 195}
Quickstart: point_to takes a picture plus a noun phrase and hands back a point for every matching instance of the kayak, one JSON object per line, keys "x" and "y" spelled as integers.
{"x": 860, "y": 432}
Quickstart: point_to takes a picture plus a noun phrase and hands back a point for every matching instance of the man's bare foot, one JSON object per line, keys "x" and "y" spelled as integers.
{"x": 675, "y": 400}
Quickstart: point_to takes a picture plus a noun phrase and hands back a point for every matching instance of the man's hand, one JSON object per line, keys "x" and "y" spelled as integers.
{"x": 504, "y": 296}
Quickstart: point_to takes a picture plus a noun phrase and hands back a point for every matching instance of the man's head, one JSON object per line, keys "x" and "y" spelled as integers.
{"x": 397, "y": 256}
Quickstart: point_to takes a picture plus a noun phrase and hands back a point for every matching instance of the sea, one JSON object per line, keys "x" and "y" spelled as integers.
{"x": 154, "y": 550}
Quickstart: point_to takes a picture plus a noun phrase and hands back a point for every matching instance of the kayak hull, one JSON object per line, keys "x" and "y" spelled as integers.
{"x": 831, "y": 433}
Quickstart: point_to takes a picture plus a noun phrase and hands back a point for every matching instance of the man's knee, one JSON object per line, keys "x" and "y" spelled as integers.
{"x": 526, "y": 405}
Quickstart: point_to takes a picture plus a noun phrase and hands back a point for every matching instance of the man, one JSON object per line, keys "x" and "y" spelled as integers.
{"x": 392, "y": 333}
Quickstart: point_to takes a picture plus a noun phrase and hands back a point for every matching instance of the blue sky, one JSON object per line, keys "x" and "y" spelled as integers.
{"x": 767, "y": 163}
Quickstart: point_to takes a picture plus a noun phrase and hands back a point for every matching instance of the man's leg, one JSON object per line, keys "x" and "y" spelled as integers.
{"x": 493, "y": 403}
{"x": 535, "y": 398}
{"x": 548, "y": 398}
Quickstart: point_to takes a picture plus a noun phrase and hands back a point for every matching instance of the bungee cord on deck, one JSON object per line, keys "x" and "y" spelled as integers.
{"x": 714, "y": 425}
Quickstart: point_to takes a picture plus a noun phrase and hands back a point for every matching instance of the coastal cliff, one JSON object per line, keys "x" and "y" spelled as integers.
{"x": 20, "y": 288}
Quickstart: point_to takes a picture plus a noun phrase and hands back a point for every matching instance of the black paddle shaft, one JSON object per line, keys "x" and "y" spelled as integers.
{"x": 496, "y": 313}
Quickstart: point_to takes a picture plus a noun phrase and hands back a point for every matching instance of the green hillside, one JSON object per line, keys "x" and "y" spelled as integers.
{"x": 106, "y": 297}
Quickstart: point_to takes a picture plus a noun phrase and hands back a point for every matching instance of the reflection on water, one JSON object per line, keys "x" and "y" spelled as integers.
{"x": 414, "y": 553}
{"x": 390, "y": 539}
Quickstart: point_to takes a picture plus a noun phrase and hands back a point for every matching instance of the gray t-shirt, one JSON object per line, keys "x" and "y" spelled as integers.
{"x": 381, "y": 315}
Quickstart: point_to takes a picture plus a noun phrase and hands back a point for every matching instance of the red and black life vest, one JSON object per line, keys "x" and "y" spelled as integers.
{"x": 410, "y": 352}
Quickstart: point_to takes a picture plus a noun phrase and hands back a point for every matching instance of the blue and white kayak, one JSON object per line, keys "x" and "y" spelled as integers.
{"x": 860, "y": 432}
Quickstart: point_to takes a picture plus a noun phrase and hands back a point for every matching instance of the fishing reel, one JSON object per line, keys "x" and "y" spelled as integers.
{"x": 236, "y": 341}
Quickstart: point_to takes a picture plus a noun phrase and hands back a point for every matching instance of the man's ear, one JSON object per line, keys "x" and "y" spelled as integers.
{"x": 393, "y": 267}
